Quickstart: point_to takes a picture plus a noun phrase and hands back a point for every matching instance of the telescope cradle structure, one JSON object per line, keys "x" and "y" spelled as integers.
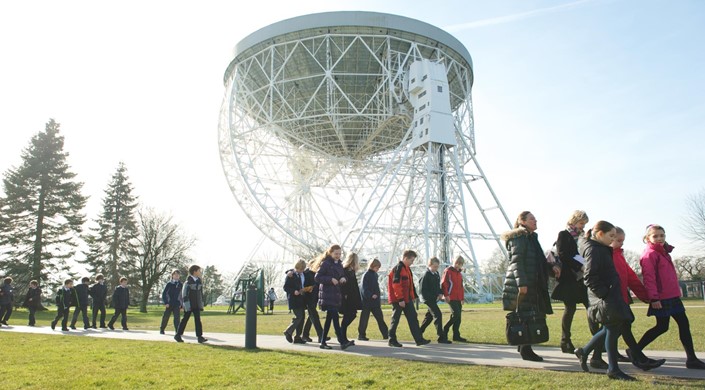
{"x": 357, "y": 128}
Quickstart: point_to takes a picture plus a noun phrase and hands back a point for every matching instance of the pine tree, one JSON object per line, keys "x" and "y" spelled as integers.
{"x": 212, "y": 284}
{"x": 41, "y": 211}
{"x": 112, "y": 242}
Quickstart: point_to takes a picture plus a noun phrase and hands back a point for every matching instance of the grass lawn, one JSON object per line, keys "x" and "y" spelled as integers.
{"x": 481, "y": 324}
{"x": 43, "y": 362}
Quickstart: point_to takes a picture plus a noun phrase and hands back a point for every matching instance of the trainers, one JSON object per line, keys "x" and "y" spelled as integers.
{"x": 178, "y": 338}
{"x": 423, "y": 342}
{"x": 202, "y": 340}
{"x": 394, "y": 343}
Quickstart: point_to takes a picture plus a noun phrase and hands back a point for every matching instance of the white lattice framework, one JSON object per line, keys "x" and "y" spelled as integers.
{"x": 314, "y": 141}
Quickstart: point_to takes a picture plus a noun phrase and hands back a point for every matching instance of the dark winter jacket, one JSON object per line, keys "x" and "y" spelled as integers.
{"x": 33, "y": 298}
{"x": 192, "y": 294}
{"x": 527, "y": 267}
{"x": 172, "y": 293}
{"x": 570, "y": 287}
{"x": 311, "y": 297}
{"x": 292, "y": 284}
{"x": 430, "y": 286}
{"x": 351, "y": 292}
{"x": 98, "y": 292}
{"x": 121, "y": 297}
{"x": 370, "y": 287}
{"x": 7, "y": 294}
{"x": 400, "y": 284}
{"x": 81, "y": 294}
{"x": 607, "y": 306}
{"x": 329, "y": 295}
{"x": 65, "y": 298}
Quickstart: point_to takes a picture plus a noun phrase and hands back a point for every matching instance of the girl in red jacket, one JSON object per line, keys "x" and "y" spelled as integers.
{"x": 664, "y": 292}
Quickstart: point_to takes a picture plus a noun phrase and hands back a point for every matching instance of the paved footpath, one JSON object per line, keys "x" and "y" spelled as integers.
{"x": 457, "y": 353}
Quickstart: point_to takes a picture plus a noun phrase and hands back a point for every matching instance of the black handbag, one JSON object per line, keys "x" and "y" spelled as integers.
{"x": 526, "y": 327}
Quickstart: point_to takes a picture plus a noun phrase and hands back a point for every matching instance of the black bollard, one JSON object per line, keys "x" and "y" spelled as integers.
{"x": 251, "y": 318}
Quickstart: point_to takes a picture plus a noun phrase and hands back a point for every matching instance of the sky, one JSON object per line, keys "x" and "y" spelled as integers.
{"x": 595, "y": 104}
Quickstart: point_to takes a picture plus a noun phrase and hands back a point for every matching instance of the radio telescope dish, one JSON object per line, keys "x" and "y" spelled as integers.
{"x": 318, "y": 137}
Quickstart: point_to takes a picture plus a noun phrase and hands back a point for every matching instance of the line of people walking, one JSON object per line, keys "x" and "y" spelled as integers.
{"x": 591, "y": 270}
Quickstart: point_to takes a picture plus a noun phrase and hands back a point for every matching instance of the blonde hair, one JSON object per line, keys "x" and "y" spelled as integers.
{"x": 433, "y": 260}
{"x": 352, "y": 262}
{"x": 374, "y": 264}
{"x": 459, "y": 260}
{"x": 651, "y": 228}
{"x": 300, "y": 265}
{"x": 316, "y": 263}
{"x": 577, "y": 216}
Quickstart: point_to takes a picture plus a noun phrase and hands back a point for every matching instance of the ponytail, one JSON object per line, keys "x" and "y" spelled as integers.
{"x": 600, "y": 226}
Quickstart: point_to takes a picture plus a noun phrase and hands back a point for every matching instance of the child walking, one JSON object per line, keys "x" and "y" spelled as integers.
{"x": 294, "y": 288}
{"x": 454, "y": 294}
{"x": 121, "y": 300}
{"x": 81, "y": 303}
{"x": 64, "y": 297}
{"x": 99, "y": 292}
{"x": 400, "y": 285}
{"x": 661, "y": 282}
{"x": 7, "y": 299}
{"x": 351, "y": 295}
{"x": 192, "y": 297}
{"x": 329, "y": 276}
{"x": 431, "y": 293}
{"x": 371, "y": 302}
{"x": 33, "y": 300}
{"x": 171, "y": 297}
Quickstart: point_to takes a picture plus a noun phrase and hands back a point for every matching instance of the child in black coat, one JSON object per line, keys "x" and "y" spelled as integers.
{"x": 294, "y": 288}
{"x": 64, "y": 298}
{"x": 82, "y": 304}
{"x": 33, "y": 300}
{"x": 431, "y": 293}
{"x": 7, "y": 298}
{"x": 192, "y": 297}
{"x": 371, "y": 302}
{"x": 99, "y": 293}
{"x": 121, "y": 301}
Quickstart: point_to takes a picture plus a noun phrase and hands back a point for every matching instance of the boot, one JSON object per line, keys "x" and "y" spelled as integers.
{"x": 527, "y": 353}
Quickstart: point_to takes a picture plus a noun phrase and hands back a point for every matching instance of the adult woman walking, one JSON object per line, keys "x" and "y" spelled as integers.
{"x": 570, "y": 288}
{"x": 526, "y": 283}
{"x": 330, "y": 275}
{"x": 352, "y": 301}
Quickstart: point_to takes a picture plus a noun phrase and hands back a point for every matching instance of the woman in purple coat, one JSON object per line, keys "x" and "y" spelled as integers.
{"x": 330, "y": 275}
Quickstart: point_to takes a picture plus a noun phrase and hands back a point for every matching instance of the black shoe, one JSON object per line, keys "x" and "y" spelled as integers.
{"x": 599, "y": 364}
{"x": 86, "y": 327}
{"x": 363, "y": 338}
{"x": 423, "y": 342}
{"x": 623, "y": 359}
{"x": 53, "y": 325}
{"x": 65, "y": 329}
{"x": 695, "y": 364}
{"x": 394, "y": 343}
{"x": 202, "y": 340}
{"x": 161, "y": 331}
{"x": 528, "y": 354}
{"x": 306, "y": 339}
{"x": 325, "y": 346}
{"x": 4, "y": 323}
{"x": 288, "y": 337}
{"x": 178, "y": 338}
{"x": 94, "y": 327}
{"x": 103, "y": 327}
{"x": 299, "y": 340}
{"x": 73, "y": 327}
{"x": 125, "y": 329}
{"x": 582, "y": 357}
{"x": 110, "y": 326}
{"x": 460, "y": 339}
{"x": 619, "y": 375}
{"x": 444, "y": 341}
{"x": 346, "y": 345}
{"x": 655, "y": 363}
{"x": 567, "y": 347}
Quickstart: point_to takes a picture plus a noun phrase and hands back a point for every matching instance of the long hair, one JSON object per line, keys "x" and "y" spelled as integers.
{"x": 352, "y": 262}
{"x": 317, "y": 263}
{"x": 521, "y": 219}
{"x": 600, "y": 226}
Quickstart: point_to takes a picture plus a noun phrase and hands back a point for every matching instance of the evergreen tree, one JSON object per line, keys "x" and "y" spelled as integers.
{"x": 113, "y": 241}
{"x": 212, "y": 284}
{"x": 41, "y": 211}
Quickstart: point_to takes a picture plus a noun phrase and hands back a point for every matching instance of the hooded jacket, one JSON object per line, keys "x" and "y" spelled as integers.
{"x": 660, "y": 278}
{"x": 607, "y": 306}
{"x": 453, "y": 284}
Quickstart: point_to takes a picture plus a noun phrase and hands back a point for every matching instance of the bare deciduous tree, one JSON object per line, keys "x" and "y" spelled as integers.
{"x": 497, "y": 263}
{"x": 634, "y": 260}
{"x": 690, "y": 267}
{"x": 694, "y": 224}
{"x": 161, "y": 247}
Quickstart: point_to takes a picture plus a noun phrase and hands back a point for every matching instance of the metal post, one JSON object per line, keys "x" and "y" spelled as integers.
{"x": 251, "y": 318}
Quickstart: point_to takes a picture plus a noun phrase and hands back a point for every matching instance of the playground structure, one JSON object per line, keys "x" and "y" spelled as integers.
{"x": 242, "y": 282}
{"x": 357, "y": 128}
